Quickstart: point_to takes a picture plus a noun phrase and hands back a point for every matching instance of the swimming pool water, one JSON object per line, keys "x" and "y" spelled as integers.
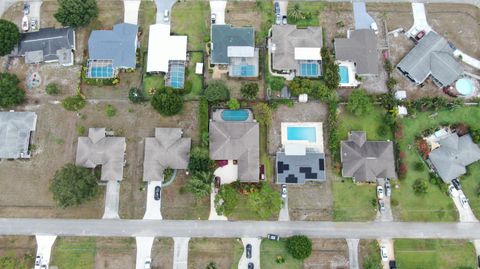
{"x": 464, "y": 86}
{"x": 302, "y": 133}
{"x": 235, "y": 115}
{"x": 343, "y": 71}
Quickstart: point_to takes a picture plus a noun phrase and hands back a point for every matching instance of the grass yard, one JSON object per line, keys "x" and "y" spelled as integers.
{"x": 270, "y": 250}
{"x": 353, "y": 202}
{"x": 152, "y": 82}
{"x": 264, "y": 159}
{"x": 369, "y": 123}
{"x": 192, "y": 19}
{"x": 439, "y": 254}
{"x": 146, "y": 17}
{"x": 470, "y": 184}
{"x": 195, "y": 79}
{"x": 224, "y": 252}
{"x": 435, "y": 205}
{"x": 314, "y": 8}
{"x": 74, "y": 253}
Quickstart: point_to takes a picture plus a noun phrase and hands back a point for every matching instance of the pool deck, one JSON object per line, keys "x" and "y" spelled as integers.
{"x": 318, "y": 144}
{"x": 352, "y": 81}
{"x": 217, "y": 115}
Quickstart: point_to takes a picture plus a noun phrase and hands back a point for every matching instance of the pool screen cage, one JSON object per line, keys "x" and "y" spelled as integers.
{"x": 100, "y": 69}
{"x": 309, "y": 68}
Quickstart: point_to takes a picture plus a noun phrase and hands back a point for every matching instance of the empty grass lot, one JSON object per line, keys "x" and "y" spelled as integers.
{"x": 192, "y": 19}
{"x": 224, "y": 252}
{"x": 270, "y": 250}
{"x": 435, "y": 205}
{"x": 439, "y": 254}
{"x": 74, "y": 253}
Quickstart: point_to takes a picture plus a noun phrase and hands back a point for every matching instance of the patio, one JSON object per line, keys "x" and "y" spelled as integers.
{"x": 227, "y": 173}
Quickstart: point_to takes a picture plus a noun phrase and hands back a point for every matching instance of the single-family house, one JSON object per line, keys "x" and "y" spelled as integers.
{"x": 239, "y": 142}
{"x": 365, "y": 161}
{"x": 431, "y": 57}
{"x": 297, "y": 50}
{"x": 168, "y": 149}
{"x": 112, "y": 50}
{"x": 360, "y": 47}
{"x": 16, "y": 130}
{"x": 453, "y": 155}
{"x": 99, "y": 149}
{"x": 48, "y": 45}
{"x": 167, "y": 54}
{"x": 235, "y": 47}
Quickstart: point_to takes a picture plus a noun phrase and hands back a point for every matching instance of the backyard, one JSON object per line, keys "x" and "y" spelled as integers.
{"x": 192, "y": 19}
{"x": 440, "y": 254}
{"x": 196, "y": 80}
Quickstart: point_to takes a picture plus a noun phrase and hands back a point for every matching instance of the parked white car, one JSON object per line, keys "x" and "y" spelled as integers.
{"x": 383, "y": 253}
{"x": 463, "y": 201}
{"x": 388, "y": 189}
{"x": 452, "y": 191}
{"x": 380, "y": 193}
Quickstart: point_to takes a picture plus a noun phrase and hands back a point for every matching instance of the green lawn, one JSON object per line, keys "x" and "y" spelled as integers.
{"x": 353, "y": 202}
{"x": 315, "y": 8}
{"x": 152, "y": 82}
{"x": 191, "y": 19}
{"x": 435, "y": 205}
{"x": 74, "y": 253}
{"x": 269, "y": 250}
{"x": 264, "y": 159}
{"x": 369, "y": 123}
{"x": 470, "y": 184}
{"x": 268, "y": 18}
{"x": 439, "y": 254}
{"x": 196, "y": 80}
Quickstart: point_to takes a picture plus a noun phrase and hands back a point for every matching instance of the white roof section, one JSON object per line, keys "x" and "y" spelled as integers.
{"x": 130, "y": 14}
{"x": 307, "y": 54}
{"x": 162, "y": 48}
{"x": 295, "y": 149}
{"x": 240, "y": 51}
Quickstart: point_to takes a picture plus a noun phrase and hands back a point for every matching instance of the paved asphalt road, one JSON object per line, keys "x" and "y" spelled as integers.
{"x": 229, "y": 229}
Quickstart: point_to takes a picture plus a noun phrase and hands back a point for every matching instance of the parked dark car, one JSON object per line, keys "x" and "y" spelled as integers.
{"x": 277, "y": 8}
{"x": 478, "y": 260}
{"x": 157, "y": 192}
{"x": 217, "y": 182}
{"x": 250, "y": 265}
{"x": 392, "y": 264}
{"x": 420, "y": 35}
{"x": 273, "y": 237}
{"x": 26, "y": 8}
{"x": 456, "y": 184}
{"x": 249, "y": 251}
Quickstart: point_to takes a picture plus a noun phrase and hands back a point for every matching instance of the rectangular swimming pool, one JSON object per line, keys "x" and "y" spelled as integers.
{"x": 302, "y": 133}
{"x": 343, "y": 71}
{"x": 235, "y": 115}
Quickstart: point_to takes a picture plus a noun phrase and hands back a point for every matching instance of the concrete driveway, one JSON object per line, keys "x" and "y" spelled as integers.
{"x": 363, "y": 20}
{"x": 255, "y": 259}
{"x": 44, "y": 247}
{"x": 35, "y": 12}
{"x": 217, "y": 7}
{"x": 388, "y": 243}
{"x": 153, "y": 208}
{"x": 353, "y": 253}
{"x": 162, "y": 5}
{"x": 387, "y": 214}
{"x": 144, "y": 250}
{"x": 131, "y": 8}
{"x": 213, "y": 212}
{"x": 112, "y": 200}
{"x": 419, "y": 20}
{"x": 180, "y": 252}
{"x": 283, "y": 215}
{"x": 465, "y": 213}
{"x": 283, "y": 7}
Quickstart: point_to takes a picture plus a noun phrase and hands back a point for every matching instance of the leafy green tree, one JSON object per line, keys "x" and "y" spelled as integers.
{"x": 136, "y": 95}
{"x": 276, "y": 83}
{"x": 167, "y": 102}
{"x": 249, "y": 91}
{"x": 74, "y": 103}
{"x": 330, "y": 69}
{"x": 76, "y": 13}
{"x": 52, "y": 89}
{"x": 226, "y": 200}
{"x": 9, "y": 36}
{"x": 233, "y": 104}
{"x": 359, "y": 103}
{"x": 199, "y": 160}
{"x": 216, "y": 91}
{"x": 200, "y": 184}
{"x": 299, "y": 246}
{"x": 300, "y": 85}
{"x": 321, "y": 92}
{"x": 10, "y": 93}
{"x": 263, "y": 113}
{"x": 73, "y": 185}
{"x": 266, "y": 202}
{"x": 295, "y": 12}
{"x": 420, "y": 187}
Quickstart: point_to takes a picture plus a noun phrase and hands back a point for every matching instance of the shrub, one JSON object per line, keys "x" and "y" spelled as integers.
{"x": 391, "y": 82}
{"x": 76, "y": 13}
{"x": 402, "y": 170}
{"x": 74, "y": 103}
{"x": 420, "y": 187}
{"x": 136, "y": 95}
{"x": 233, "y": 104}
{"x": 359, "y": 103}
{"x": 167, "y": 174}
{"x": 300, "y": 86}
{"x": 216, "y": 91}
{"x": 422, "y": 147}
{"x": 330, "y": 69}
{"x": 249, "y": 91}
{"x": 383, "y": 130}
{"x": 167, "y": 103}
{"x": 388, "y": 66}
{"x": 394, "y": 202}
{"x": 276, "y": 83}
{"x": 9, "y": 36}
{"x": 80, "y": 130}
{"x": 203, "y": 118}
{"x": 226, "y": 200}
{"x": 263, "y": 113}
{"x": 187, "y": 88}
{"x": 10, "y": 93}
{"x": 321, "y": 92}
{"x": 299, "y": 246}
{"x": 52, "y": 89}
{"x": 199, "y": 161}
{"x": 110, "y": 110}
{"x": 419, "y": 166}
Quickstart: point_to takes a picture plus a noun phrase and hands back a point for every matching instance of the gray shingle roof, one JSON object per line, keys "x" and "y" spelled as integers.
{"x": 166, "y": 149}
{"x": 431, "y": 56}
{"x": 299, "y": 169}
{"x": 47, "y": 44}
{"x": 286, "y": 38}
{"x": 237, "y": 141}
{"x": 224, "y": 36}
{"x": 98, "y": 149}
{"x": 367, "y": 160}
{"x": 360, "y": 48}
{"x": 118, "y": 45}
{"x": 15, "y": 129}
{"x": 453, "y": 155}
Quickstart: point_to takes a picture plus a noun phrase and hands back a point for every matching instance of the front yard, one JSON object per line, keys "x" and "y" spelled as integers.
{"x": 225, "y": 253}
{"x": 192, "y": 19}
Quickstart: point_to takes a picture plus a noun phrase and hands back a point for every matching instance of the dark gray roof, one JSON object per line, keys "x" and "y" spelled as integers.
{"x": 224, "y": 36}
{"x": 299, "y": 169}
{"x": 453, "y": 155}
{"x": 286, "y": 38}
{"x": 237, "y": 141}
{"x": 47, "y": 44}
{"x": 166, "y": 149}
{"x": 431, "y": 56}
{"x": 367, "y": 160}
{"x": 15, "y": 129}
{"x": 361, "y": 48}
{"x": 118, "y": 45}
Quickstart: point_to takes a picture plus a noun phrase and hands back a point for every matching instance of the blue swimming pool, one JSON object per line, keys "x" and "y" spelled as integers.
{"x": 302, "y": 133}
{"x": 464, "y": 86}
{"x": 343, "y": 71}
{"x": 101, "y": 72}
{"x": 235, "y": 115}
{"x": 309, "y": 69}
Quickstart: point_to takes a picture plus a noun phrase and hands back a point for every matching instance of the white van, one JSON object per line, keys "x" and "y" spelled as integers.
{"x": 166, "y": 14}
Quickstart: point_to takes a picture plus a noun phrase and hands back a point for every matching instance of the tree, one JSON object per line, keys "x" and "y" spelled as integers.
{"x": 330, "y": 72}
{"x": 211, "y": 265}
{"x": 10, "y": 93}
{"x": 276, "y": 83}
{"x": 136, "y": 95}
{"x": 76, "y": 13}
{"x": 263, "y": 113}
{"x": 420, "y": 187}
{"x": 266, "y": 202}
{"x": 295, "y": 12}
{"x": 321, "y": 92}
{"x": 9, "y": 36}
{"x": 249, "y": 91}
{"x": 74, "y": 103}
{"x": 359, "y": 103}
{"x": 52, "y": 89}
{"x": 233, "y": 104}
{"x": 300, "y": 85}
{"x": 299, "y": 246}
{"x": 199, "y": 161}
{"x": 167, "y": 102}
{"x": 73, "y": 185}
{"x": 200, "y": 184}
{"x": 216, "y": 91}
{"x": 226, "y": 200}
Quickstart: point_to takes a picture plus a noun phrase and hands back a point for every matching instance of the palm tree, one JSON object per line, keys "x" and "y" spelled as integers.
{"x": 295, "y": 13}
{"x": 200, "y": 184}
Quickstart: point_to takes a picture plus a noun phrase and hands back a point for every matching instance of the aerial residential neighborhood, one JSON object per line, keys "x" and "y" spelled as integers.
{"x": 198, "y": 134}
